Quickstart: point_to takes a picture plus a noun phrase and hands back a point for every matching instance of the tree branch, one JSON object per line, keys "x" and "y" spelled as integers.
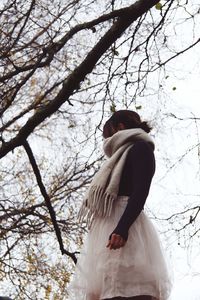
{"x": 177, "y": 54}
{"x": 48, "y": 201}
{"x": 127, "y": 17}
{"x": 53, "y": 48}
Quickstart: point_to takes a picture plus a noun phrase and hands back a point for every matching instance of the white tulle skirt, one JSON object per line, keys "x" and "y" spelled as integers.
{"x": 138, "y": 268}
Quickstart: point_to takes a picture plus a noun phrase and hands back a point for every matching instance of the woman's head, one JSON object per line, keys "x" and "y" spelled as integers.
{"x": 124, "y": 119}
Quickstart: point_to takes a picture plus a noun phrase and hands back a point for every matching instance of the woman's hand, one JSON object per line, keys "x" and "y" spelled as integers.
{"x": 116, "y": 242}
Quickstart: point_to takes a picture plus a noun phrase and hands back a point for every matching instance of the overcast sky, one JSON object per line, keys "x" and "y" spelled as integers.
{"x": 186, "y": 262}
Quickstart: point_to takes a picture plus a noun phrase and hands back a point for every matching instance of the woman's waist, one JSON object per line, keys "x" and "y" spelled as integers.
{"x": 123, "y": 200}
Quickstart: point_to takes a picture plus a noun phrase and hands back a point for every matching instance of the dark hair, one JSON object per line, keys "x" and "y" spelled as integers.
{"x": 130, "y": 119}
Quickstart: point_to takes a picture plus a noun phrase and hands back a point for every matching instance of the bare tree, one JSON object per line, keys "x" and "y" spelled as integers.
{"x": 63, "y": 65}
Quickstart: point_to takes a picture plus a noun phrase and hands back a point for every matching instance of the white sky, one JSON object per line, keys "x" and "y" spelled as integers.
{"x": 186, "y": 263}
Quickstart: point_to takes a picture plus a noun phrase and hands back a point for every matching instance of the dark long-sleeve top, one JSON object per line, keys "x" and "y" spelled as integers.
{"x": 135, "y": 182}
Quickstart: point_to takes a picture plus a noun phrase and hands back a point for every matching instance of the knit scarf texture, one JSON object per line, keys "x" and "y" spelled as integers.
{"x": 103, "y": 190}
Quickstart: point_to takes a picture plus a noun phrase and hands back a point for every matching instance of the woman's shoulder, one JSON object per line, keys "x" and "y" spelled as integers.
{"x": 140, "y": 156}
{"x": 141, "y": 153}
{"x": 141, "y": 147}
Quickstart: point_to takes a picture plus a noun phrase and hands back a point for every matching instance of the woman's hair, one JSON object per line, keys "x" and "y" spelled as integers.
{"x": 130, "y": 119}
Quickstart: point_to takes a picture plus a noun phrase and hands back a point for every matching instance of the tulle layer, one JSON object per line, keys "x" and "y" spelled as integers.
{"x": 138, "y": 268}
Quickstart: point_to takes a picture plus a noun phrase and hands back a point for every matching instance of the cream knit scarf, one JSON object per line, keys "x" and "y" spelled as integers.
{"x": 104, "y": 187}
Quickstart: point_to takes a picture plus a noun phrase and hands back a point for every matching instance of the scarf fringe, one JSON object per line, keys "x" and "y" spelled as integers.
{"x": 100, "y": 205}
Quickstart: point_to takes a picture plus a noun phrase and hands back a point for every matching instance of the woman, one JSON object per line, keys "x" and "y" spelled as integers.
{"x": 122, "y": 258}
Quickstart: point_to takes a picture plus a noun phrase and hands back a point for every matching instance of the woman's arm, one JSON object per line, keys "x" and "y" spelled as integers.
{"x": 141, "y": 167}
